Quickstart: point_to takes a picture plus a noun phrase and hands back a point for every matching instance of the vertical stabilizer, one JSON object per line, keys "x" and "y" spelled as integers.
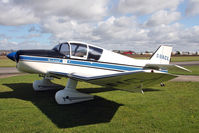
{"x": 162, "y": 55}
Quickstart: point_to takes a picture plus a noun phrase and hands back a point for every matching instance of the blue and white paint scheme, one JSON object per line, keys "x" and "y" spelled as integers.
{"x": 85, "y": 62}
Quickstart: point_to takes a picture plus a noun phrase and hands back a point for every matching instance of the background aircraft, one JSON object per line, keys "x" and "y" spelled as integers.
{"x": 85, "y": 62}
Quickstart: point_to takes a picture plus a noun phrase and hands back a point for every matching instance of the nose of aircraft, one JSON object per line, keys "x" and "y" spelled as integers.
{"x": 12, "y": 56}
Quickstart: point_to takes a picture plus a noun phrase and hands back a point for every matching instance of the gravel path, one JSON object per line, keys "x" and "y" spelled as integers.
{"x": 186, "y": 78}
{"x": 9, "y": 72}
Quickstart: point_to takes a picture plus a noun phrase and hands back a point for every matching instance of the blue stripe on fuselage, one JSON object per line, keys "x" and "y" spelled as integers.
{"x": 52, "y": 60}
{"x": 81, "y": 63}
{"x": 103, "y": 65}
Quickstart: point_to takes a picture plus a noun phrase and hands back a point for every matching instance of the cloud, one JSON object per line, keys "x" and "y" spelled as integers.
{"x": 165, "y": 34}
{"x": 190, "y": 36}
{"x": 111, "y": 30}
{"x": 10, "y": 15}
{"x": 142, "y": 7}
{"x": 163, "y": 17}
{"x": 88, "y": 9}
{"x": 192, "y": 8}
{"x": 181, "y": 38}
{"x": 6, "y": 44}
{"x": 67, "y": 30}
{"x": 23, "y": 12}
{"x": 127, "y": 33}
{"x": 30, "y": 36}
{"x": 119, "y": 30}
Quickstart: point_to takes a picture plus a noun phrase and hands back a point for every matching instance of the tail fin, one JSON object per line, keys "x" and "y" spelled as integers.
{"x": 162, "y": 55}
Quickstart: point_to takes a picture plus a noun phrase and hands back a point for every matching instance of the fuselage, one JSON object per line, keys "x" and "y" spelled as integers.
{"x": 76, "y": 57}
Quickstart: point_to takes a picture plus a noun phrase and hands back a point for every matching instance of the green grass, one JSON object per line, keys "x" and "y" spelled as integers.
{"x": 144, "y": 58}
{"x": 184, "y": 58}
{"x": 7, "y": 63}
{"x": 194, "y": 69}
{"x": 174, "y": 108}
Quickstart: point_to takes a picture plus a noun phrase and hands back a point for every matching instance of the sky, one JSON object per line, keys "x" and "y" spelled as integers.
{"x": 139, "y": 25}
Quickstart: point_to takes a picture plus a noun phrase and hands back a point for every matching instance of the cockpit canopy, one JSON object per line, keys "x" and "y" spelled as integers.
{"x": 79, "y": 51}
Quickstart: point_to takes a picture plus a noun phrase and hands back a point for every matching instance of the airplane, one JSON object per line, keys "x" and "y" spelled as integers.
{"x": 79, "y": 61}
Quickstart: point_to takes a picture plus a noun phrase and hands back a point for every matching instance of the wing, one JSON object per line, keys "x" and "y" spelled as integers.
{"x": 126, "y": 80}
{"x": 132, "y": 81}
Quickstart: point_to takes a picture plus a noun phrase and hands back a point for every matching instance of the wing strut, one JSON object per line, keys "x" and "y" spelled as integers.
{"x": 70, "y": 95}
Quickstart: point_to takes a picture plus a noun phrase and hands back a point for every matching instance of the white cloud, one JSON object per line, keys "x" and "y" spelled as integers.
{"x": 78, "y": 9}
{"x": 146, "y": 6}
{"x": 67, "y": 30}
{"x": 192, "y": 8}
{"x": 30, "y": 36}
{"x": 6, "y": 44}
{"x": 163, "y": 17}
{"x": 22, "y": 12}
{"x": 165, "y": 33}
{"x": 5, "y": 1}
{"x": 181, "y": 38}
{"x": 119, "y": 30}
{"x": 127, "y": 33}
{"x": 113, "y": 30}
{"x": 190, "y": 36}
{"x": 16, "y": 16}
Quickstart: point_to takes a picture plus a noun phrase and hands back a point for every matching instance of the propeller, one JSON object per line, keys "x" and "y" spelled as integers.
{"x": 13, "y": 56}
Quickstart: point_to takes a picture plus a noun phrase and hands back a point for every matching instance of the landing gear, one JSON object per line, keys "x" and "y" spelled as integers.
{"x": 44, "y": 84}
{"x": 69, "y": 95}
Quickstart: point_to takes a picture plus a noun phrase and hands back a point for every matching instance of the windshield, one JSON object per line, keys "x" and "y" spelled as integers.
{"x": 56, "y": 48}
{"x": 65, "y": 49}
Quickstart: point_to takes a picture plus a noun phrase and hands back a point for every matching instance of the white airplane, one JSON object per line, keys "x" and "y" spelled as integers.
{"x": 85, "y": 62}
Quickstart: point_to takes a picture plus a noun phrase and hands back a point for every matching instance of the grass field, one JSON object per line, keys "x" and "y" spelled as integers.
{"x": 4, "y": 62}
{"x": 184, "y": 58}
{"x": 174, "y": 108}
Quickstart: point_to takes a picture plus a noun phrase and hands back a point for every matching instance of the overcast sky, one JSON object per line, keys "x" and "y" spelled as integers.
{"x": 137, "y": 25}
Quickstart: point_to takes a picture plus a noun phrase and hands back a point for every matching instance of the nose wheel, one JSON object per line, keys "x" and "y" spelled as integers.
{"x": 69, "y": 95}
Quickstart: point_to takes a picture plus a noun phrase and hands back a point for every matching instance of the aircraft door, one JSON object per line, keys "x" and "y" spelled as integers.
{"x": 79, "y": 50}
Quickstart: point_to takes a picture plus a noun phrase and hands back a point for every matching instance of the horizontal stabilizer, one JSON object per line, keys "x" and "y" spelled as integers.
{"x": 165, "y": 67}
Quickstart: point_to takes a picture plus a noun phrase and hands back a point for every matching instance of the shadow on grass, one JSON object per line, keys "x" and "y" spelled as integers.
{"x": 96, "y": 111}
{"x": 150, "y": 89}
